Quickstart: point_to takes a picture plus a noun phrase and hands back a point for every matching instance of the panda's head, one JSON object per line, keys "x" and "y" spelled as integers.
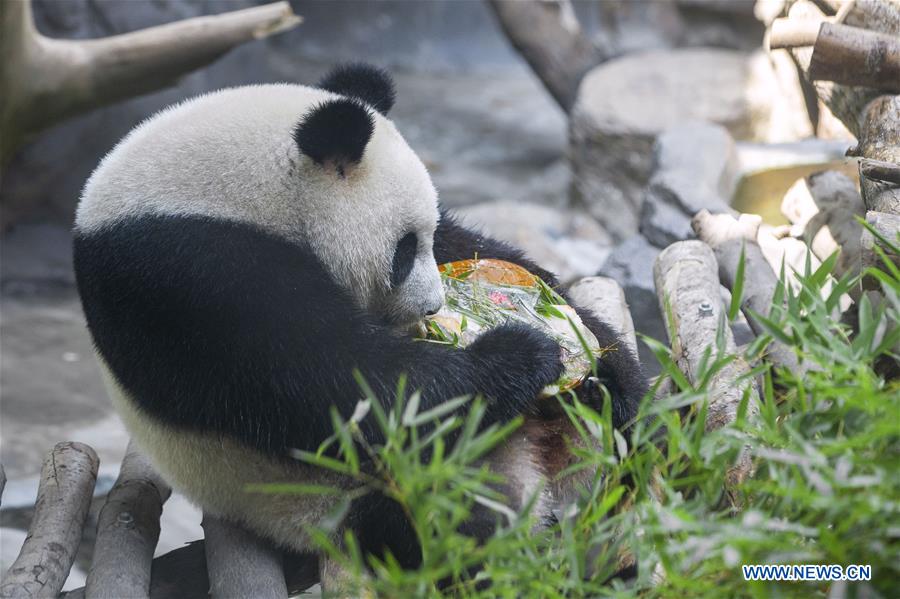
{"x": 376, "y": 208}
{"x": 320, "y": 166}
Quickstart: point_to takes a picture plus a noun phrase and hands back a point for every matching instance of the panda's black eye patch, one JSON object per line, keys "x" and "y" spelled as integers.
{"x": 404, "y": 257}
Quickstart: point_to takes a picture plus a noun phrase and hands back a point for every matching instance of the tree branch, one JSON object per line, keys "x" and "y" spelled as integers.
{"x": 547, "y": 35}
{"x": 47, "y": 80}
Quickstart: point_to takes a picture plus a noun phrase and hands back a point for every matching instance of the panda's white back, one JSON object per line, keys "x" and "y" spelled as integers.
{"x": 220, "y": 154}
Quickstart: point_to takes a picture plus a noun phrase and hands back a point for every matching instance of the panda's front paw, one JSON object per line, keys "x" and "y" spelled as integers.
{"x": 518, "y": 360}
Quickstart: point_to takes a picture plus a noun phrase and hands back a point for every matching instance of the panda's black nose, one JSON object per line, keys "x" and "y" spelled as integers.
{"x": 432, "y": 312}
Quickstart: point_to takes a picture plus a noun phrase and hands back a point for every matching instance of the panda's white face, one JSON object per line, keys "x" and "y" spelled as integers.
{"x": 231, "y": 155}
{"x": 374, "y": 227}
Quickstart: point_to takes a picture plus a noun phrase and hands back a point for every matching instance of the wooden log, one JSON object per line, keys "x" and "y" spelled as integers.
{"x": 63, "y": 498}
{"x": 687, "y": 284}
{"x": 47, "y": 80}
{"x": 854, "y": 56}
{"x": 793, "y": 33}
{"x": 727, "y": 243}
{"x": 182, "y": 574}
{"x": 240, "y": 564}
{"x": 127, "y": 531}
{"x": 877, "y": 15}
{"x": 606, "y": 299}
{"x": 549, "y": 38}
{"x": 842, "y": 54}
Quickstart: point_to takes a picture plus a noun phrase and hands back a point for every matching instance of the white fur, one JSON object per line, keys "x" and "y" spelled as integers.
{"x": 212, "y": 472}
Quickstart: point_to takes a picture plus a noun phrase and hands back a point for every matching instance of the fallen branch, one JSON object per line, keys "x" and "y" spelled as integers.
{"x": 793, "y": 33}
{"x": 47, "y": 80}
{"x": 687, "y": 284}
{"x": 241, "y": 564}
{"x": 127, "y": 531}
{"x": 549, "y": 38}
{"x": 63, "y": 498}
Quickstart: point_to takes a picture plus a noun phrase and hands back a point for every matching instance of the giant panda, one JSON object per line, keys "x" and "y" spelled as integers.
{"x": 239, "y": 254}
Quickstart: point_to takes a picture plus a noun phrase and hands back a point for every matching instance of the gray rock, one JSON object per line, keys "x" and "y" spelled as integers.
{"x": 623, "y": 104}
{"x": 695, "y": 169}
{"x": 631, "y": 265}
{"x": 566, "y": 242}
{"x": 663, "y": 223}
{"x": 703, "y": 154}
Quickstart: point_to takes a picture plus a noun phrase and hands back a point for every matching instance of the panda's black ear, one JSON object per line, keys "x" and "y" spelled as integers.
{"x": 370, "y": 84}
{"x": 335, "y": 132}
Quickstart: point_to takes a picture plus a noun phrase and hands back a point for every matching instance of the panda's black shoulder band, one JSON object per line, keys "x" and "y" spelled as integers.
{"x": 368, "y": 83}
{"x": 335, "y": 131}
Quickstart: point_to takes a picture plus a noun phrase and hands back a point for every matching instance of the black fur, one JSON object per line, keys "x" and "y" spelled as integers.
{"x": 217, "y": 326}
{"x": 370, "y": 84}
{"x": 336, "y": 131}
{"x": 618, "y": 369}
{"x": 404, "y": 258}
